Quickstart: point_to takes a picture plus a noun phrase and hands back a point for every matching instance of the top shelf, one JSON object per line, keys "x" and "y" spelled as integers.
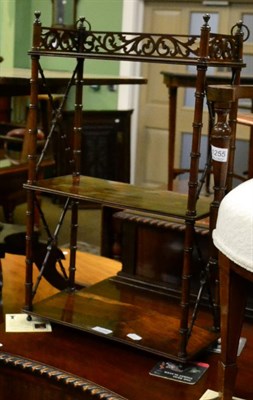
{"x": 121, "y": 195}
{"x": 82, "y": 42}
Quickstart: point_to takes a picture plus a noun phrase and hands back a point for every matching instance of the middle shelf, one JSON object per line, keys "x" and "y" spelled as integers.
{"x": 121, "y": 195}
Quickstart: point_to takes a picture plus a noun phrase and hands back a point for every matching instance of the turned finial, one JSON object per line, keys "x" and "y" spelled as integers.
{"x": 37, "y": 15}
{"x": 240, "y": 28}
{"x": 82, "y": 23}
{"x": 206, "y": 19}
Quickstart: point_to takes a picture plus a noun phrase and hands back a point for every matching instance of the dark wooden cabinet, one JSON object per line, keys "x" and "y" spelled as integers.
{"x": 105, "y": 144}
{"x": 151, "y": 249}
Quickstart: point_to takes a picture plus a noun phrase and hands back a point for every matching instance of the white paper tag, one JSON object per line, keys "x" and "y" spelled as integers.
{"x": 134, "y": 336}
{"x": 219, "y": 154}
{"x": 102, "y": 330}
{"x": 20, "y": 323}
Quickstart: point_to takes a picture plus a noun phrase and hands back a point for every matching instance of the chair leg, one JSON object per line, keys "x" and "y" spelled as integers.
{"x": 8, "y": 209}
{"x": 233, "y": 294}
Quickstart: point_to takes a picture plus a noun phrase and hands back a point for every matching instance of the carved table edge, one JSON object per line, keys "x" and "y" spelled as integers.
{"x": 164, "y": 222}
{"x": 59, "y": 376}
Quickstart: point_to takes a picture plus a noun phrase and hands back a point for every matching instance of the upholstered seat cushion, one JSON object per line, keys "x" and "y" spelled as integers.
{"x": 233, "y": 235}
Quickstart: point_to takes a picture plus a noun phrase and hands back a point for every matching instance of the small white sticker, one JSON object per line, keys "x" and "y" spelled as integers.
{"x": 133, "y": 336}
{"x": 219, "y": 154}
{"x": 102, "y": 330}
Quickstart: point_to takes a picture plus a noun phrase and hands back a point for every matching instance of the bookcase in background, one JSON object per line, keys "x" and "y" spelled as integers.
{"x": 106, "y": 138}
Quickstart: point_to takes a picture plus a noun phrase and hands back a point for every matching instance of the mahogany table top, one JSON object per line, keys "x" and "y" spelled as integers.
{"x": 16, "y": 81}
{"x": 115, "y": 366}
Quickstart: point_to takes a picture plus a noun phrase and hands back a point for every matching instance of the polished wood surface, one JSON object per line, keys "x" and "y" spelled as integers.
{"x": 121, "y": 195}
{"x": 245, "y": 119}
{"x": 198, "y": 50}
{"x": 233, "y": 297}
{"x": 124, "y": 310}
{"x": 115, "y": 366}
{"x": 15, "y": 81}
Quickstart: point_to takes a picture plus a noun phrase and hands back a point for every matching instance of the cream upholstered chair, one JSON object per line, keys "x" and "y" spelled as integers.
{"x": 233, "y": 237}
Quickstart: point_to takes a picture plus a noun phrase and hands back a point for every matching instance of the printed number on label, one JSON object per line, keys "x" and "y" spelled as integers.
{"x": 219, "y": 154}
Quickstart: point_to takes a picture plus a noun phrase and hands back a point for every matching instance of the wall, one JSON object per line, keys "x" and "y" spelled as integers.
{"x": 7, "y": 24}
{"x": 16, "y": 18}
{"x": 108, "y": 18}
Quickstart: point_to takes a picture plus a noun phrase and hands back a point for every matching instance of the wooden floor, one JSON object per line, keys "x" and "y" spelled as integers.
{"x": 119, "y": 368}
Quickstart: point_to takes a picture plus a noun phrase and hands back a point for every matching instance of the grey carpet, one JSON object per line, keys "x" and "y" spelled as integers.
{"x": 89, "y": 229}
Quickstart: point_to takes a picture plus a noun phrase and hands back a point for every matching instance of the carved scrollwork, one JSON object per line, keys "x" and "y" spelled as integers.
{"x": 141, "y": 44}
{"x": 222, "y": 48}
{"x": 59, "y": 40}
{"x": 115, "y": 43}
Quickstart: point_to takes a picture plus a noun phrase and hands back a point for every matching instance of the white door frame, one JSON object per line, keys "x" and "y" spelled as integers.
{"x": 128, "y": 95}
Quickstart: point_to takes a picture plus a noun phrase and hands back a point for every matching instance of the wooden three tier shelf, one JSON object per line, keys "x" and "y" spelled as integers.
{"x": 125, "y": 307}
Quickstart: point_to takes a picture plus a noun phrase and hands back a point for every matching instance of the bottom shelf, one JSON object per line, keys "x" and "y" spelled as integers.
{"x": 135, "y": 316}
